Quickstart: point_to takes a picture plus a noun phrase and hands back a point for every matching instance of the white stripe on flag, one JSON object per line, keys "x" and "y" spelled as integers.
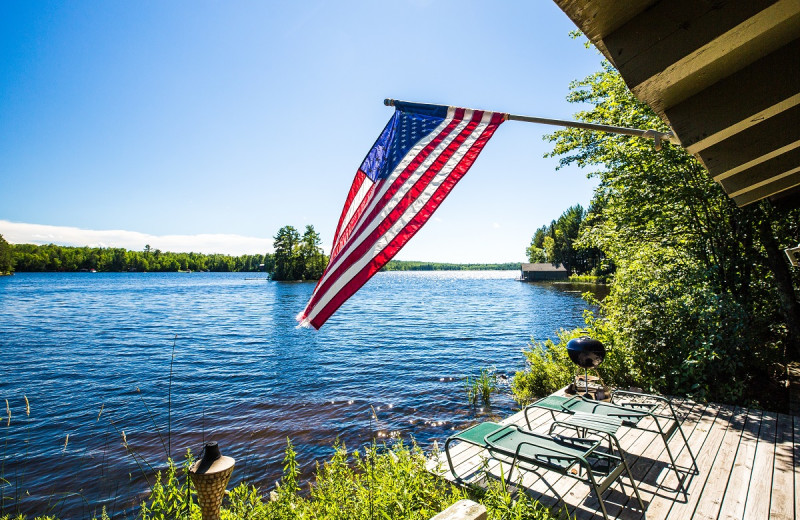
{"x": 362, "y": 191}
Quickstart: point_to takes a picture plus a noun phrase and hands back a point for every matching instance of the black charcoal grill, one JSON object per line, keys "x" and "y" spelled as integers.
{"x": 587, "y": 353}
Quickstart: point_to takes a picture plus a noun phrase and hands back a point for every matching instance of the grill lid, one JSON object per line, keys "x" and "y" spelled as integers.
{"x": 586, "y": 352}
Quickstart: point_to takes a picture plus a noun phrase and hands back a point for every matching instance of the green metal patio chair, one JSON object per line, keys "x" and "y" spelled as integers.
{"x": 528, "y": 450}
{"x": 631, "y": 414}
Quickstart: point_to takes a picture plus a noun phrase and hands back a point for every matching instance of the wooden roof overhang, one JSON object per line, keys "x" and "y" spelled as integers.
{"x": 724, "y": 74}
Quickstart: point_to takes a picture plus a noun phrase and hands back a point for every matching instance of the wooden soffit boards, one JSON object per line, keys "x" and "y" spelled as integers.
{"x": 725, "y": 74}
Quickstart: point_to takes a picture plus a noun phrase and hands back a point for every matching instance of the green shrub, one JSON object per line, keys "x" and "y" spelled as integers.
{"x": 376, "y": 482}
{"x": 168, "y": 496}
{"x": 548, "y": 369}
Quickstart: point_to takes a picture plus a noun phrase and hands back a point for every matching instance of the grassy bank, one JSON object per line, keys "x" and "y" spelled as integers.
{"x": 586, "y": 278}
{"x": 410, "y": 265}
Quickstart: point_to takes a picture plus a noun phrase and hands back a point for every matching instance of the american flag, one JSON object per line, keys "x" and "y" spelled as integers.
{"x": 418, "y": 158}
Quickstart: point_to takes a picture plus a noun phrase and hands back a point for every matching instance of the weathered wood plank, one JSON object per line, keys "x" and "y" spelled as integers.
{"x": 580, "y": 500}
{"x": 796, "y": 453}
{"x": 663, "y": 506}
{"x": 642, "y": 456}
{"x": 746, "y": 464}
{"x": 671, "y": 31}
{"x": 710, "y": 497}
{"x": 757, "y": 36}
{"x": 783, "y": 182}
{"x": 758, "y": 494}
{"x": 746, "y": 149}
{"x": 636, "y": 444}
{"x": 718, "y": 113}
{"x": 764, "y": 173}
{"x": 781, "y": 502}
{"x": 654, "y": 471}
{"x": 735, "y": 498}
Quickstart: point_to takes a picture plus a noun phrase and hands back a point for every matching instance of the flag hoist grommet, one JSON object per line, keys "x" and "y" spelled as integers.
{"x": 418, "y": 158}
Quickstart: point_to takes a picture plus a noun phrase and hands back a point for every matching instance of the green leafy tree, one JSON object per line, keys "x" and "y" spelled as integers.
{"x": 313, "y": 258}
{"x": 288, "y": 262}
{"x": 703, "y": 301}
{"x": 558, "y": 243}
{"x": 536, "y": 252}
{"x": 6, "y": 257}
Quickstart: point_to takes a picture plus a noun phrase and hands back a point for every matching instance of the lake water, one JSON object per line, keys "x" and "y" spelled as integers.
{"x": 92, "y": 353}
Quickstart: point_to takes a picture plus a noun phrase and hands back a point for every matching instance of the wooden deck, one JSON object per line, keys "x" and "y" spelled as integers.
{"x": 748, "y": 461}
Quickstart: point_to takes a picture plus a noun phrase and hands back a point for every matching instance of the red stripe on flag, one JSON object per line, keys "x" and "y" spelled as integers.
{"x": 403, "y": 236}
{"x": 344, "y": 235}
{"x": 405, "y": 174}
{"x": 358, "y": 180}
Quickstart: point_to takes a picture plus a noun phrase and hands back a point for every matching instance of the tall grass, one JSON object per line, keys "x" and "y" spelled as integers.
{"x": 481, "y": 387}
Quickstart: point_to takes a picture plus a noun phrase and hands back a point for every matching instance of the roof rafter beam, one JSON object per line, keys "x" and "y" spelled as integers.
{"x": 719, "y": 112}
{"x": 671, "y": 70}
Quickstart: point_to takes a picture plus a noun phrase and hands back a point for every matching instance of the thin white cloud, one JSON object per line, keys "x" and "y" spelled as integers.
{"x": 496, "y": 225}
{"x": 22, "y": 233}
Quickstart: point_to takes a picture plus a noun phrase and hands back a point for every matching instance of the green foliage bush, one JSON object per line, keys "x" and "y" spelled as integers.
{"x": 169, "y": 497}
{"x": 6, "y": 258}
{"x": 376, "y": 482}
{"x": 548, "y": 369}
{"x": 702, "y": 301}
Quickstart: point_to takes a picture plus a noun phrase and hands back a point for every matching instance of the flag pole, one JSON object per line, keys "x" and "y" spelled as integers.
{"x": 657, "y": 136}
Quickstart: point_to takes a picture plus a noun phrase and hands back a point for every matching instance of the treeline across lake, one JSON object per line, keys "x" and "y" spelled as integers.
{"x": 33, "y": 258}
{"x": 296, "y": 257}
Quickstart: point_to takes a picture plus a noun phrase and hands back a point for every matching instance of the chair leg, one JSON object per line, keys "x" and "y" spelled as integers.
{"x": 672, "y": 460}
{"x": 593, "y": 483}
{"x": 685, "y": 441}
{"x": 635, "y": 487}
{"x": 510, "y": 471}
{"x": 449, "y": 460}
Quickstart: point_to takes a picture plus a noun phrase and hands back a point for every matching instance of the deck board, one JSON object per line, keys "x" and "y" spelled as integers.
{"x": 796, "y": 464}
{"x": 677, "y": 509}
{"x": 645, "y": 458}
{"x": 656, "y": 478}
{"x": 781, "y": 506}
{"x": 758, "y": 495}
{"x": 735, "y": 497}
{"x": 747, "y": 468}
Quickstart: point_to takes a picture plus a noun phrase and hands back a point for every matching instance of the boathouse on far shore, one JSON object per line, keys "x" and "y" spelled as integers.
{"x": 543, "y": 272}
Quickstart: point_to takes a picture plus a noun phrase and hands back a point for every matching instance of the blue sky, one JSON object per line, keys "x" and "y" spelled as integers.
{"x": 207, "y": 126}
